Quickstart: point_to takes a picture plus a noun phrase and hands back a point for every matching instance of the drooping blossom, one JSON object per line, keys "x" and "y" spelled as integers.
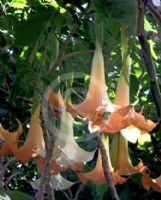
{"x": 34, "y": 141}
{"x": 97, "y": 174}
{"x": 119, "y": 152}
{"x": 96, "y": 95}
{"x": 68, "y": 151}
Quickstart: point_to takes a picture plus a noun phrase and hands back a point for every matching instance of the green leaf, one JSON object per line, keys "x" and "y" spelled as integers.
{"x": 134, "y": 87}
{"x": 136, "y": 178}
{"x": 100, "y": 190}
{"x": 17, "y": 195}
{"x": 28, "y": 31}
{"x": 125, "y": 11}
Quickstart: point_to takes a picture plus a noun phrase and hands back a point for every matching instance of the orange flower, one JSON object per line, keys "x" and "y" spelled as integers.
{"x": 119, "y": 151}
{"x": 96, "y": 95}
{"x": 97, "y": 175}
{"x": 34, "y": 141}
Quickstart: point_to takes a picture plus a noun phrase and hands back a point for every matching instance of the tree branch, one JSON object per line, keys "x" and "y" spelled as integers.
{"x": 112, "y": 189}
{"x": 49, "y": 138}
{"x": 67, "y": 40}
{"x": 150, "y": 66}
{"x": 155, "y": 11}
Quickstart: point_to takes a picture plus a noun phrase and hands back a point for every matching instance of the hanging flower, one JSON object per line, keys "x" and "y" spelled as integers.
{"x": 119, "y": 151}
{"x": 69, "y": 151}
{"x": 96, "y": 95}
{"x": 34, "y": 141}
{"x": 97, "y": 174}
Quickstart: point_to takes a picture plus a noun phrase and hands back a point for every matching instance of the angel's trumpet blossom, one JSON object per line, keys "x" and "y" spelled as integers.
{"x": 34, "y": 141}
{"x": 96, "y": 95}
{"x": 70, "y": 152}
{"x": 97, "y": 174}
{"x": 119, "y": 152}
{"x": 148, "y": 182}
{"x": 9, "y": 139}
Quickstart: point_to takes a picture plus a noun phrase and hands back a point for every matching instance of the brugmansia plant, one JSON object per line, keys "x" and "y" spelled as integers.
{"x": 66, "y": 144}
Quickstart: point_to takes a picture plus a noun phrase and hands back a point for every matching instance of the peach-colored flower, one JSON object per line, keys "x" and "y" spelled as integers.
{"x": 97, "y": 174}
{"x": 96, "y": 95}
{"x": 34, "y": 141}
{"x": 119, "y": 151}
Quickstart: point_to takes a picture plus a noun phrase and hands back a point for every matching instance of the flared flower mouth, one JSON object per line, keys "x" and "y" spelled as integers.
{"x": 97, "y": 94}
{"x": 97, "y": 174}
{"x": 68, "y": 151}
{"x": 9, "y": 139}
{"x": 34, "y": 141}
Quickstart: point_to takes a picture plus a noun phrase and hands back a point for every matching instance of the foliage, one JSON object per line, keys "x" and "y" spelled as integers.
{"x": 29, "y": 33}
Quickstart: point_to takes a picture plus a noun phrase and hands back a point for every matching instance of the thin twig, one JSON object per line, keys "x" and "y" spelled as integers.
{"x": 18, "y": 97}
{"x": 70, "y": 55}
{"x": 106, "y": 170}
{"x": 150, "y": 66}
{"x": 78, "y": 192}
{"x": 67, "y": 40}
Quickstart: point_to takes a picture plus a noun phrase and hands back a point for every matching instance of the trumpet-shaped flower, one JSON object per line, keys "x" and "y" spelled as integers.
{"x": 70, "y": 152}
{"x": 119, "y": 152}
{"x": 97, "y": 174}
{"x": 96, "y": 95}
{"x": 34, "y": 141}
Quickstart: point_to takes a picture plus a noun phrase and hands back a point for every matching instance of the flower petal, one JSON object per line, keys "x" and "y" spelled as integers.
{"x": 131, "y": 133}
{"x": 9, "y": 139}
{"x": 71, "y": 152}
{"x": 148, "y": 182}
{"x": 34, "y": 141}
{"x": 96, "y": 95}
{"x": 122, "y": 163}
{"x": 97, "y": 174}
